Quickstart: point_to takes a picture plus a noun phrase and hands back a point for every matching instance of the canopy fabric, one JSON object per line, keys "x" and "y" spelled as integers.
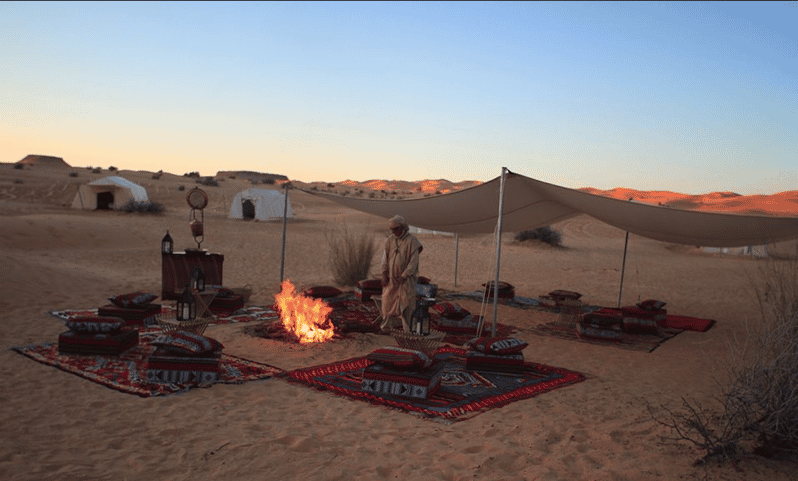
{"x": 530, "y": 203}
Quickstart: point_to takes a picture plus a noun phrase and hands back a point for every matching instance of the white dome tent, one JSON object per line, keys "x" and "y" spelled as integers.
{"x": 260, "y": 204}
{"x": 108, "y": 193}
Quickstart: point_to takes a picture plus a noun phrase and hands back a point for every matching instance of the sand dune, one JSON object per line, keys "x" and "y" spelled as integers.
{"x": 58, "y": 426}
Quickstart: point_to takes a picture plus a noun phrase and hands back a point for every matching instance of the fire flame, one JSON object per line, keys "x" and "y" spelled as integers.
{"x": 304, "y": 316}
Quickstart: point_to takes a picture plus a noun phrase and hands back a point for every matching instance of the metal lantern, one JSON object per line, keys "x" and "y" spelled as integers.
{"x": 167, "y": 244}
{"x": 186, "y": 306}
{"x": 198, "y": 279}
{"x": 420, "y": 317}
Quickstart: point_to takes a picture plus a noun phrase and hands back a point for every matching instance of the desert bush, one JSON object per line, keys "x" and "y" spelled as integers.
{"x": 143, "y": 207}
{"x": 330, "y": 186}
{"x": 544, "y": 234}
{"x": 758, "y": 404}
{"x": 73, "y": 174}
{"x": 372, "y": 195}
{"x": 157, "y": 175}
{"x": 181, "y": 187}
{"x": 18, "y": 181}
{"x": 314, "y": 188}
{"x": 268, "y": 181}
{"x": 351, "y": 255}
{"x": 19, "y": 166}
{"x": 97, "y": 170}
{"x": 112, "y": 168}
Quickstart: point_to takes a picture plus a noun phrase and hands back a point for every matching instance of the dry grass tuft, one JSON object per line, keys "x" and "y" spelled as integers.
{"x": 351, "y": 255}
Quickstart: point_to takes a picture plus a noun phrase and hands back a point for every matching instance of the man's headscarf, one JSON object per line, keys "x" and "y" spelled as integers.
{"x": 398, "y": 221}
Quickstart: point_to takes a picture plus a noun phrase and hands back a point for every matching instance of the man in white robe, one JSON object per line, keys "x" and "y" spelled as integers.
{"x": 399, "y": 274}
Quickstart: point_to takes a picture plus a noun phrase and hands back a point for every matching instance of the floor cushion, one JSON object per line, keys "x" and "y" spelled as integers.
{"x": 134, "y": 299}
{"x": 226, "y": 304}
{"x": 497, "y": 345}
{"x": 72, "y": 342}
{"x": 400, "y": 358}
{"x": 133, "y": 316}
{"x": 384, "y": 381}
{"x": 164, "y": 367}
{"x": 480, "y": 361}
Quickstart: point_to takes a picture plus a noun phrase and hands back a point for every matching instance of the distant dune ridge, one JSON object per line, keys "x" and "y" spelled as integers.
{"x": 782, "y": 203}
{"x": 44, "y": 160}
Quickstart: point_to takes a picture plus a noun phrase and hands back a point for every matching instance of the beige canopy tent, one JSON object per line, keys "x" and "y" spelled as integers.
{"x": 530, "y": 203}
{"x": 514, "y": 202}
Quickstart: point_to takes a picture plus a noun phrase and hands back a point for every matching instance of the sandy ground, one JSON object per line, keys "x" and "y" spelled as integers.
{"x": 59, "y": 426}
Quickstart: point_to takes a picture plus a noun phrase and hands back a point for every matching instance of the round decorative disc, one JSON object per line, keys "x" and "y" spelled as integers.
{"x": 197, "y": 198}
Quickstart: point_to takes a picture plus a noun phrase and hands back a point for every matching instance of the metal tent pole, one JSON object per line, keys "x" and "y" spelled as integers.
{"x": 498, "y": 252}
{"x": 456, "y": 256}
{"x": 285, "y": 213}
{"x": 623, "y": 268}
{"x": 623, "y": 265}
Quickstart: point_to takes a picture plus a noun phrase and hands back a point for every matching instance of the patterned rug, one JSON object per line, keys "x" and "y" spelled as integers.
{"x": 517, "y": 301}
{"x": 633, "y": 342}
{"x": 462, "y": 395}
{"x": 127, "y": 373}
{"x": 245, "y": 314}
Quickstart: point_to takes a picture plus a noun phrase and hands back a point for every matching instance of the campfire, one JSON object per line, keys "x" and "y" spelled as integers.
{"x": 303, "y": 316}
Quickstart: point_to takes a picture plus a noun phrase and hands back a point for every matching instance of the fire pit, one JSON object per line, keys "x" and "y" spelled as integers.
{"x": 304, "y": 317}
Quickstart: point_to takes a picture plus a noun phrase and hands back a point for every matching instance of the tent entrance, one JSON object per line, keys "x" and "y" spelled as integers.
{"x": 105, "y": 200}
{"x": 247, "y": 209}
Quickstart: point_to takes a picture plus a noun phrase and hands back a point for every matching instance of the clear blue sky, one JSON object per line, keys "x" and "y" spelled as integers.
{"x": 688, "y": 96}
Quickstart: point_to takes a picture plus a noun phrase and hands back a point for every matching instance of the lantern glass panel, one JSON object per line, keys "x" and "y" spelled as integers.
{"x": 167, "y": 244}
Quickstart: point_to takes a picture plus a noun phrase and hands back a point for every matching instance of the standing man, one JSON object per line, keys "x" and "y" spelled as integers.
{"x": 399, "y": 274}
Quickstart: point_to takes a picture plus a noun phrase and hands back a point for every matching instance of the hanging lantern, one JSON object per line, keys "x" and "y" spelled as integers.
{"x": 198, "y": 279}
{"x": 197, "y": 199}
{"x": 167, "y": 244}
{"x": 186, "y": 306}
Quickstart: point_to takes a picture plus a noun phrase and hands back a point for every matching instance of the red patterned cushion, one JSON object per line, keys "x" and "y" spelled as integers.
{"x": 497, "y": 345}
{"x": 321, "y": 291}
{"x": 187, "y": 343}
{"x": 505, "y": 290}
{"x": 503, "y": 286}
{"x": 370, "y": 284}
{"x": 422, "y": 280}
{"x": 135, "y": 299}
{"x": 95, "y": 324}
{"x": 400, "y": 357}
{"x": 450, "y": 310}
{"x": 224, "y": 293}
{"x": 651, "y": 305}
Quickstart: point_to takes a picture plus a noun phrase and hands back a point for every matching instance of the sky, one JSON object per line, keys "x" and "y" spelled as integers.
{"x": 690, "y": 97}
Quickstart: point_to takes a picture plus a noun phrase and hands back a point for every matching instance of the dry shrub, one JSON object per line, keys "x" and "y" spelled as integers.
{"x": 758, "y": 403}
{"x": 351, "y": 255}
{"x": 544, "y": 234}
{"x": 143, "y": 207}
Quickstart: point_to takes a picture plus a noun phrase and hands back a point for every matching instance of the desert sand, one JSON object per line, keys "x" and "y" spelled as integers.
{"x": 62, "y": 427}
